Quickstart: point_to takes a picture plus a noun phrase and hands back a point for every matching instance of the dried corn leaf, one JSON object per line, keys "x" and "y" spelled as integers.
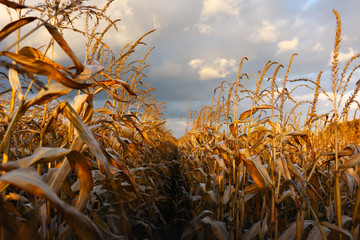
{"x": 347, "y": 151}
{"x": 345, "y": 219}
{"x": 63, "y": 44}
{"x": 122, "y": 83}
{"x": 35, "y": 54}
{"x": 315, "y": 233}
{"x": 29, "y": 181}
{"x": 353, "y": 174}
{"x": 283, "y": 196}
{"x": 254, "y": 173}
{"x": 15, "y": 83}
{"x": 227, "y": 194}
{"x": 43, "y": 68}
{"x": 89, "y": 71}
{"x": 303, "y": 135}
{"x": 80, "y": 165}
{"x": 204, "y": 227}
{"x": 212, "y": 196}
{"x": 13, "y": 5}
{"x": 290, "y": 232}
{"x": 253, "y": 110}
{"x": 88, "y": 137}
{"x": 260, "y": 228}
{"x": 354, "y": 160}
{"x": 294, "y": 170}
{"x": 126, "y": 86}
{"x": 13, "y": 26}
{"x": 337, "y": 229}
{"x": 40, "y": 155}
{"x": 222, "y": 145}
{"x": 258, "y": 172}
{"x": 49, "y": 92}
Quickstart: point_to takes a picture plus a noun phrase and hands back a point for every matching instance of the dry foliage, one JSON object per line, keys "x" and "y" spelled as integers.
{"x": 74, "y": 170}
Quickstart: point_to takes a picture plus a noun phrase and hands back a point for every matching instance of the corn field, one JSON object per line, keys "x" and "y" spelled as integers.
{"x": 74, "y": 169}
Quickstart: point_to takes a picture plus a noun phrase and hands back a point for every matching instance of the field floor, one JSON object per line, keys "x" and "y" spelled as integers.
{"x": 174, "y": 216}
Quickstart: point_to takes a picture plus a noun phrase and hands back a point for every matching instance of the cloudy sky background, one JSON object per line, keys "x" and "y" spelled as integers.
{"x": 199, "y": 43}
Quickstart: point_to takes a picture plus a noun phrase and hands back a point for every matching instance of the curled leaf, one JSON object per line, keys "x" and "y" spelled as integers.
{"x": 253, "y": 110}
{"x": 13, "y": 26}
{"x": 29, "y": 181}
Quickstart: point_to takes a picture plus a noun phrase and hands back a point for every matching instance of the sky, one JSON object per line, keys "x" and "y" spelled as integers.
{"x": 199, "y": 43}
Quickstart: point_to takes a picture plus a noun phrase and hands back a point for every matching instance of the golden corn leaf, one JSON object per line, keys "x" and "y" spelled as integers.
{"x": 29, "y": 181}
{"x": 15, "y": 5}
{"x": 88, "y": 137}
{"x": 49, "y": 92}
{"x": 63, "y": 44}
{"x": 13, "y": 26}
{"x": 35, "y": 54}
{"x": 40, "y": 155}
{"x": 254, "y": 173}
{"x": 253, "y": 110}
{"x": 15, "y": 83}
{"x": 294, "y": 170}
{"x": 80, "y": 165}
{"x": 354, "y": 160}
{"x": 347, "y": 151}
{"x": 258, "y": 173}
{"x": 294, "y": 134}
{"x": 43, "y": 68}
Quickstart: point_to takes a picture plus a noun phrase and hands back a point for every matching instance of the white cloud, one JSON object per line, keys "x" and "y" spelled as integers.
{"x": 346, "y": 56}
{"x": 288, "y": 45}
{"x": 343, "y": 56}
{"x": 203, "y": 28}
{"x": 155, "y": 22}
{"x": 166, "y": 69}
{"x": 220, "y": 68}
{"x": 126, "y": 9}
{"x": 318, "y": 47}
{"x": 266, "y": 33}
{"x": 177, "y": 126}
{"x": 196, "y": 63}
{"x": 213, "y": 8}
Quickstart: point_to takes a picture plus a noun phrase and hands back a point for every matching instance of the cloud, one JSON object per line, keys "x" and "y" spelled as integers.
{"x": 342, "y": 56}
{"x": 220, "y": 68}
{"x": 346, "y": 56}
{"x": 203, "y": 28}
{"x": 266, "y": 33}
{"x": 318, "y": 47}
{"x": 166, "y": 69}
{"x": 214, "y": 8}
{"x": 288, "y": 45}
{"x": 177, "y": 126}
{"x": 155, "y": 22}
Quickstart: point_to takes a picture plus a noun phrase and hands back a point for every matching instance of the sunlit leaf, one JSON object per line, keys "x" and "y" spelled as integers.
{"x": 13, "y": 26}
{"x": 15, "y": 83}
{"x": 253, "y": 110}
{"x": 63, "y": 44}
